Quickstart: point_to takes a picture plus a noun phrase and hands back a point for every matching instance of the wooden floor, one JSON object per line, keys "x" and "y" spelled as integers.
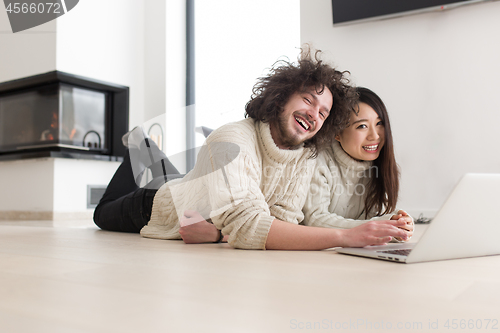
{"x": 73, "y": 277}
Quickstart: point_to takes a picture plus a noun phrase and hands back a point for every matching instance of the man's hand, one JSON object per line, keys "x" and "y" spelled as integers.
{"x": 195, "y": 229}
{"x": 403, "y": 216}
{"x": 374, "y": 233}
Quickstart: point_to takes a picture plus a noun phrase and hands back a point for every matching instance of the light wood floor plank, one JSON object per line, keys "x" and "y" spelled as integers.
{"x": 73, "y": 277}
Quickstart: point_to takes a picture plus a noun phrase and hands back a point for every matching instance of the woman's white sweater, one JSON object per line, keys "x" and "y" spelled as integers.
{"x": 242, "y": 181}
{"x": 336, "y": 198}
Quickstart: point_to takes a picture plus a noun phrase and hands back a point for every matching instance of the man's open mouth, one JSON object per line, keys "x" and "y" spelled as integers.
{"x": 303, "y": 123}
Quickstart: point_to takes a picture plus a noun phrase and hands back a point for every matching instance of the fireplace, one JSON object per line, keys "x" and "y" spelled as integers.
{"x": 62, "y": 115}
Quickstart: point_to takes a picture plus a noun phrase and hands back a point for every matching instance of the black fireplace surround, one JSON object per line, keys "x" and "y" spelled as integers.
{"x": 57, "y": 114}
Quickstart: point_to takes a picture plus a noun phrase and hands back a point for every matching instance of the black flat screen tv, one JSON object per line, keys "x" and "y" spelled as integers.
{"x": 357, "y": 11}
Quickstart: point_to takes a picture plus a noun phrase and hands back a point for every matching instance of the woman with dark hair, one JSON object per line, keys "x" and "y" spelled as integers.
{"x": 357, "y": 178}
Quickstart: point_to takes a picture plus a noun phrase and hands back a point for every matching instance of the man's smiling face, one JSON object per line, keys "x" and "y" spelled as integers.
{"x": 301, "y": 118}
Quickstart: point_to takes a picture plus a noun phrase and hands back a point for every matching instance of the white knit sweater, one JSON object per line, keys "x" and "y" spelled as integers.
{"x": 257, "y": 183}
{"x": 336, "y": 198}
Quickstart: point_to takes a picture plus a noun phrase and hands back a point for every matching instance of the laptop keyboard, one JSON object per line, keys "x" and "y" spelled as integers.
{"x": 402, "y": 252}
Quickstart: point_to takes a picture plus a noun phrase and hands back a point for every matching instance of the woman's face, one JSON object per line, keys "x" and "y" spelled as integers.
{"x": 364, "y": 138}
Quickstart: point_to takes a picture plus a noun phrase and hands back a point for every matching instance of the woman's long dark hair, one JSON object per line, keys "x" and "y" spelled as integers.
{"x": 383, "y": 189}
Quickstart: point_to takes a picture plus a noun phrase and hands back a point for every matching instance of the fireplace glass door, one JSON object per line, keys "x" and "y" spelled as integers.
{"x": 55, "y": 115}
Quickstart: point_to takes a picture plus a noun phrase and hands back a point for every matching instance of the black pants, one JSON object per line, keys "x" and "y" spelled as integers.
{"x": 125, "y": 206}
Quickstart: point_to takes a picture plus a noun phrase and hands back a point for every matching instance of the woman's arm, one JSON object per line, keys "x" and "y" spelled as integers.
{"x": 321, "y": 193}
{"x": 324, "y": 187}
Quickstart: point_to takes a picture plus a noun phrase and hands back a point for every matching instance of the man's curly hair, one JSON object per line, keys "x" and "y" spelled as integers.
{"x": 272, "y": 92}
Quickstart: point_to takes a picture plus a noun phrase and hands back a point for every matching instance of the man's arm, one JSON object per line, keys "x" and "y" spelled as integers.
{"x": 287, "y": 236}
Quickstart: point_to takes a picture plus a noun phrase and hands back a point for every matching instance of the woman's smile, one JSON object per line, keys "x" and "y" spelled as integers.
{"x": 365, "y": 136}
{"x": 371, "y": 148}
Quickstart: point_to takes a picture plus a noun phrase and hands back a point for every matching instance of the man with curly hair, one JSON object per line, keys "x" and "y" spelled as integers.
{"x": 251, "y": 177}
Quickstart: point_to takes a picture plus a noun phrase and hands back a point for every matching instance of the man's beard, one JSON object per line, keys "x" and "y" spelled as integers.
{"x": 287, "y": 139}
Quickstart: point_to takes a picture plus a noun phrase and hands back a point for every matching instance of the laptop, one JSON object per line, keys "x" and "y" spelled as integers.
{"x": 467, "y": 225}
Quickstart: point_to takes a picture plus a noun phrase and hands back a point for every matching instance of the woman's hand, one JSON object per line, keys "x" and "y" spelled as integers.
{"x": 195, "y": 229}
{"x": 408, "y": 226}
{"x": 375, "y": 233}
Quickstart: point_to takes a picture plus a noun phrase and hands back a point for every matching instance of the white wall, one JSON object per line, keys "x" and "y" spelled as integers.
{"x": 438, "y": 75}
{"x": 26, "y": 186}
{"x": 28, "y": 52}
